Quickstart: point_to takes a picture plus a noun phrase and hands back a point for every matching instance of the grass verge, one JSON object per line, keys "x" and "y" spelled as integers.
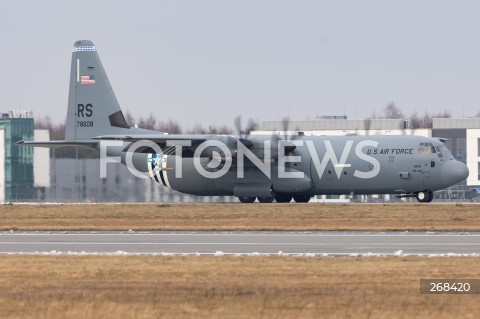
{"x": 230, "y": 287}
{"x": 421, "y": 217}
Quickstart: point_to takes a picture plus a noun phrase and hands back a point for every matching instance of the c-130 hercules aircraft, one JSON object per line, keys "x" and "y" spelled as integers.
{"x": 266, "y": 168}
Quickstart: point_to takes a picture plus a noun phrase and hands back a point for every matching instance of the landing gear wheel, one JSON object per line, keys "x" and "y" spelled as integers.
{"x": 246, "y": 199}
{"x": 265, "y": 199}
{"x": 421, "y": 196}
{"x": 430, "y": 197}
{"x": 425, "y": 196}
{"x": 302, "y": 198}
{"x": 283, "y": 198}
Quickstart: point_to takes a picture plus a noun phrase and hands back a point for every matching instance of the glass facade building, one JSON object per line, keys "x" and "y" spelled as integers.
{"x": 18, "y": 161}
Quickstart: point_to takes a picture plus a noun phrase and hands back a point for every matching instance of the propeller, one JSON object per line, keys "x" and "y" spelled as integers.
{"x": 368, "y": 125}
{"x": 216, "y": 159}
{"x": 244, "y": 134}
{"x": 289, "y": 147}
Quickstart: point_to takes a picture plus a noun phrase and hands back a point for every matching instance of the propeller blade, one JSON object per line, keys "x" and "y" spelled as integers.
{"x": 251, "y": 126}
{"x": 368, "y": 125}
{"x": 246, "y": 142}
{"x": 244, "y": 134}
{"x": 238, "y": 125}
{"x": 285, "y": 125}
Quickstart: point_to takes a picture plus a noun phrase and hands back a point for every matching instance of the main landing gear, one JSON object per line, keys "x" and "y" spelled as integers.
{"x": 283, "y": 198}
{"x": 302, "y": 198}
{"x": 246, "y": 199}
{"x": 265, "y": 199}
{"x": 425, "y": 196}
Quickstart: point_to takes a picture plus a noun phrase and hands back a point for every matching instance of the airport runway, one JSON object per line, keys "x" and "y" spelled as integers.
{"x": 224, "y": 243}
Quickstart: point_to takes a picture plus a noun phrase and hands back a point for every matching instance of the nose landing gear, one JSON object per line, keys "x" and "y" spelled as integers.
{"x": 425, "y": 196}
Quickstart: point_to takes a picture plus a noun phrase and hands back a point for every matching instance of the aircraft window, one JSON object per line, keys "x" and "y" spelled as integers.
{"x": 441, "y": 148}
{"x": 424, "y": 148}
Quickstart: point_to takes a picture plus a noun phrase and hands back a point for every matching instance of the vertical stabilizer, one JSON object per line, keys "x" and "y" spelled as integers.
{"x": 93, "y": 109}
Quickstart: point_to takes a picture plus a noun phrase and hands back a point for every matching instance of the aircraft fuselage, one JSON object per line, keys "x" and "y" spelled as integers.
{"x": 314, "y": 165}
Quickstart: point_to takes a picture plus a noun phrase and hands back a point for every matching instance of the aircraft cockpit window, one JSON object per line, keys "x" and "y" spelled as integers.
{"x": 425, "y": 149}
{"x": 432, "y": 148}
{"x": 441, "y": 148}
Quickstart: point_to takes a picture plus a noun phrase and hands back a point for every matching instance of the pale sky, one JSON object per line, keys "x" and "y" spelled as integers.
{"x": 208, "y": 61}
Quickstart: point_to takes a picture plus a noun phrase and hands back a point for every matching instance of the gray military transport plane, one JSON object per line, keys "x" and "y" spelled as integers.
{"x": 266, "y": 168}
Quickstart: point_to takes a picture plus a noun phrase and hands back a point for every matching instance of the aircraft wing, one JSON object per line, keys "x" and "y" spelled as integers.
{"x": 159, "y": 139}
{"x": 156, "y": 138}
{"x": 162, "y": 140}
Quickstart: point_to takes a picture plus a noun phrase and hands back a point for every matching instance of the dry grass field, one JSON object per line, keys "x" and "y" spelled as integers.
{"x": 233, "y": 287}
{"x": 230, "y": 287}
{"x": 439, "y": 217}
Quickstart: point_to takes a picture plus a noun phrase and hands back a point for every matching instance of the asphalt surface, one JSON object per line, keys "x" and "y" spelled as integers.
{"x": 224, "y": 243}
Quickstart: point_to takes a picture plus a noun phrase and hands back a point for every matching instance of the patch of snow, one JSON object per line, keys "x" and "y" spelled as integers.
{"x": 398, "y": 253}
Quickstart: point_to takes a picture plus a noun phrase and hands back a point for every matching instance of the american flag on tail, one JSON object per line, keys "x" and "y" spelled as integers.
{"x": 87, "y": 79}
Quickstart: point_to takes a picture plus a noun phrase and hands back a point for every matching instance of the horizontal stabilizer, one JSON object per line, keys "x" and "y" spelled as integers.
{"x": 56, "y": 144}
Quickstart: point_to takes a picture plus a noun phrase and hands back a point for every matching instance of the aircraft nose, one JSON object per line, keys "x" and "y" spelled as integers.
{"x": 453, "y": 172}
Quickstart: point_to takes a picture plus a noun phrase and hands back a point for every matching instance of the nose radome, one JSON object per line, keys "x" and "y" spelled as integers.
{"x": 453, "y": 172}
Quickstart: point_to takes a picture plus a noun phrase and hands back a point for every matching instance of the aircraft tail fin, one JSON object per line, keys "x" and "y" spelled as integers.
{"x": 93, "y": 109}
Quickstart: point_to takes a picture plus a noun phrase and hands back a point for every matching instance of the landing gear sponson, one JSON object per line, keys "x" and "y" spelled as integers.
{"x": 425, "y": 196}
{"x": 278, "y": 199}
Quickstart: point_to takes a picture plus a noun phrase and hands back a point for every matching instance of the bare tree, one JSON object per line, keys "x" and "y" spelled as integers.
{"x": 415, "y": 121}
{"x": 391, "y": 111}
{"x": 222, "y": 130}
{"x": 225, "y": 130}
{"x": 171, "y": 127}
{"x": 43, "y": 123}
{"x": 148, "y": 122}
{"x": 56, "y": 131}
{"x": 197, "y": 129}
{"x": 130, "y": 119}
{"x": 426, "y": 121}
